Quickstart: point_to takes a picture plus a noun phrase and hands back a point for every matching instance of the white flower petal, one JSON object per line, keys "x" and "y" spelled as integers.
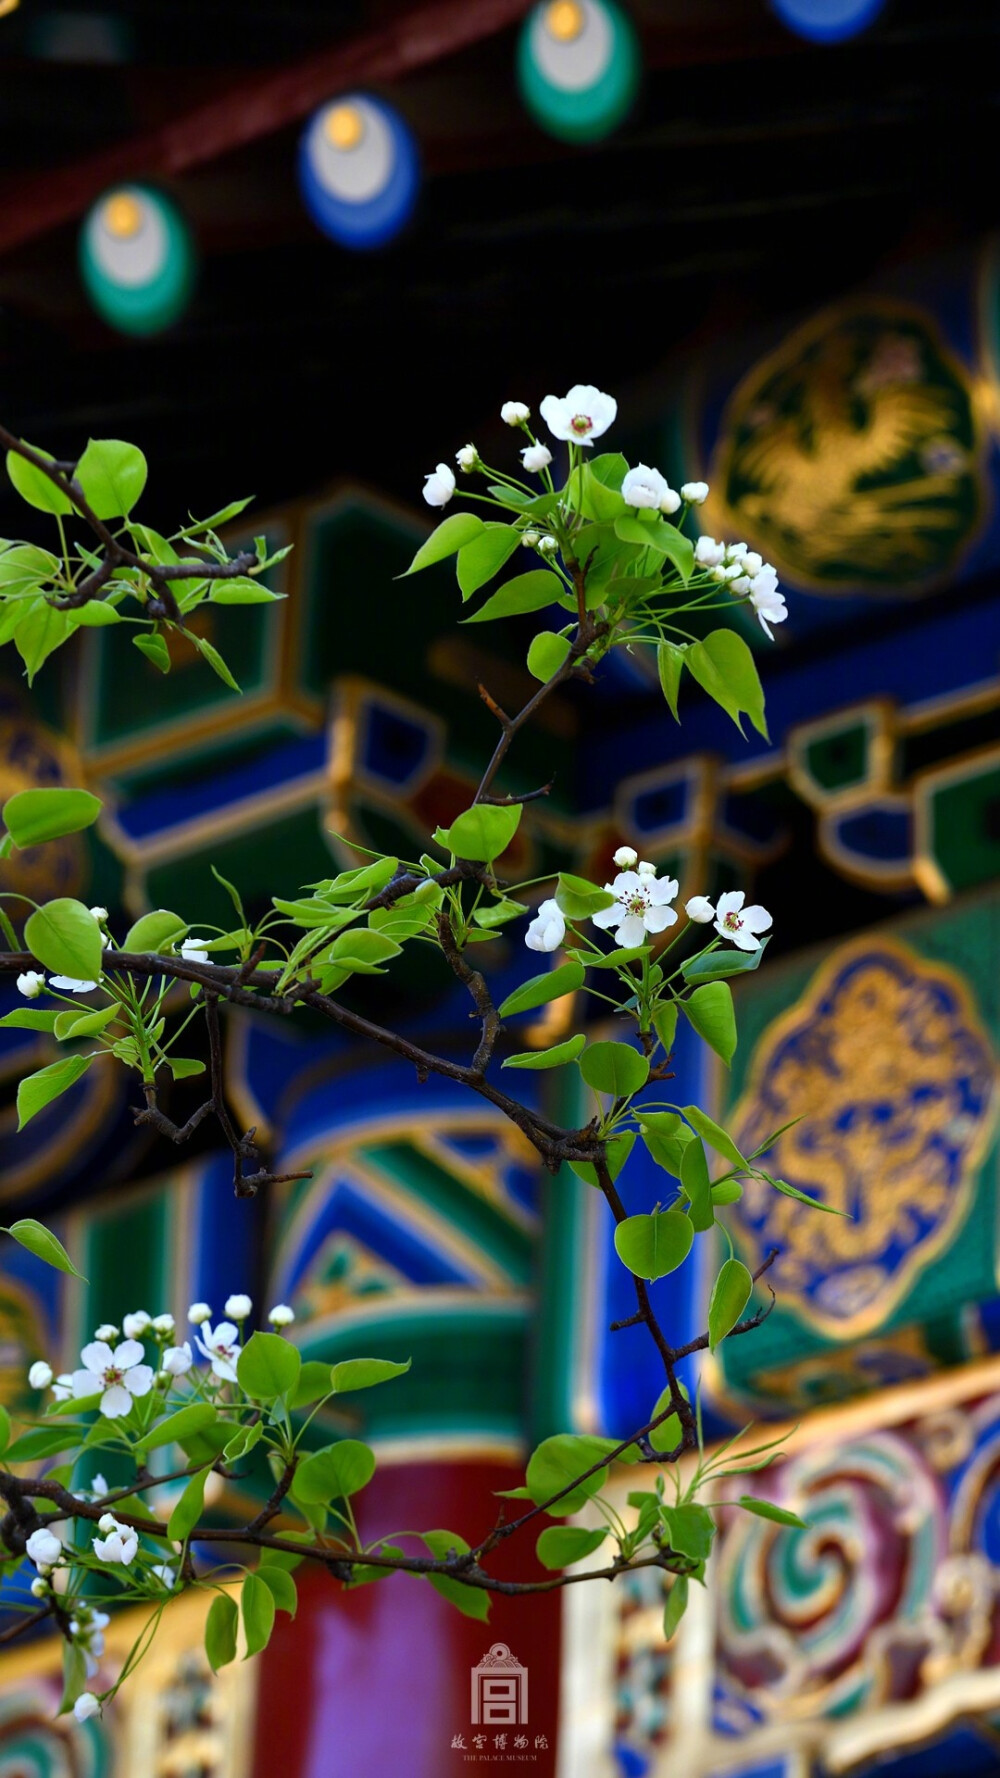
{"x": 138, "y": 1379}
{"x": 632, "y": 931}
{"x": 98, "y": 1357}
{"x": 115, "y": 1402}
{"x": 606, "y": 918}
{"x": 658, "y": 919}
{"x": 128, "y": 1353}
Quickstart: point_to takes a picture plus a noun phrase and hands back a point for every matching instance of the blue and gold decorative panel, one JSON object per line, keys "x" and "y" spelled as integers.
{"x": 886, "y": 1051}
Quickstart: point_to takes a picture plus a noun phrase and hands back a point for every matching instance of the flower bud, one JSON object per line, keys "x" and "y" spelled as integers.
{"x": 238, "y": 1307}
{"x": 626, "y": 858}
{"x": 467, "y": 457}
{"x": 135, "y": 1325}
{"x": 281, "y": 1315}
{"x": 198, "y": 1313}
{"x": 514, "y": 413}
{"x": 695, "y": 493}
{"x": 40, "y": 1374}
{"x": 699, "y": 908}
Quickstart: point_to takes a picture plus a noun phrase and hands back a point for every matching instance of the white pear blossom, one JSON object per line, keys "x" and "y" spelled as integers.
{"x": 86, "y": 1706}
{"x": 646, "y": 869}
{"x": 195, "y": 950}
{"x": 164, "y": 1573}
{"x": 281, "y": 1315}
{"x": 30, "y": 984}
{"x": 641, "y": 905}
{"x": 695, "y": 493}
{"x": 708, "y": 553}
{"x": 626, "y": 858}
{"x": 136, "y": 1324}
{"x": 238, "y": 1307}
{"x": 119, "y": 1544}
{"x": 70, "y": 984}
{"x": 40, "y": 1374}
{"x": 120, "y": 1375}
{"x": 62, "y": 1388}
{"x": 514, "y": 413}
{"x": 547, "y": 929}
{"x": 580, "y": 415}
{"x": 98, "y": 1487}
{"x": 645, "y": 487}
{"x": 199, "y": 1312}
{"x": 87, "y": 1630}
{"x": 439, "y": 486}
{"x": 163, "y": 1324}
{"x": 699, "y": 908}
{"x": 530, "y": 539}
{"x": 766, "y": 600}
{"x": 740, "y": 924}
{"x": 106, "y": 1331}
{"x": 467, "y": 457}
{"x": 177, "y": 1360}
{"x": 536, "y": 457}
{"x": 100, "y": 915}
{"x": 44, "y": 1548}
{"x": 548, "y": 544}
{"x": 221, "y": 1345}
{"x": 40, "y": 1588}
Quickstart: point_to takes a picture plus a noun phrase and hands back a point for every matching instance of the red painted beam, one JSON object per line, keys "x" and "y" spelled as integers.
{"x": 255, "y": 107}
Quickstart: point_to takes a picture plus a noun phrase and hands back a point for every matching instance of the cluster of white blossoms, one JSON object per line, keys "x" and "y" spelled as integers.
{"x": 747, "y": 575}
{"x": 642, "y": 906}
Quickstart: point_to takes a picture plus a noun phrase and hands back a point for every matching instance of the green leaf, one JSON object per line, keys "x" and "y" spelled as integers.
{"x": 667, "y": 1436}
{"x": 364, "y": 1373}
{"x": 97, "y": 614}
{"x": 242, "y": 591}
{"x": 66, "y": 939}
{"x": 652, "y": 1246}
{"x": 560, "y": 1460}
{"x": 33, "y": 484}
{"x": 614, "y": 1068}
{"x": 25, "y": 567}
{"x": 718, "y": 964}
{"x": 471, "y": 1601}
{"x": 484, "y": 555}
{"x": 792, "y": 1191}
{"x": 31, "y": 816}
{"x": 726, "y": 1191}
{"x": 334, "y": 1472}
{"x": 614, "y": 959}
{"x": 44, "y": 1441}
{"x": 155, "y": 650}
{"x": 243, "y": 1442}
{"x": 551, "y": 1058}
{"x": 578, "y": 899}
{"x": 451, "y": 535}
{"x": 220, "y": 1631}
{"x": 766, "y": 1509}
{"x": 547, "y": 654}
{"x": 665, "y": 1024}
{"x": 617, "y": 1150}
{"x": 691, "y": 1529}
{"x": 362, "y": 950}
{"x": 670, "y": 666}
{"x": 559, "y": 1545}
{"x": 697, "y": 1185}
{"x": 526, "y": 592}
{"x": 40, "y": 631}
{"x": 37, "y": 1090}
{"x": 185, "y": 1067}
{"x": 281, "y": 1587}
{"x": 714, "y": 1135}
{"x": 76, "y": 1022}
{"x": 666, "y": 1136}
{"x": 30, "y": 1018}
{"x": 542, "y": 988}
{"x": 597, "y": 491}
{"x": 730, "y": 1295}
{"x": 675, "y": 1606}
{"x": 214, "y": 659}
{"x": 184, "y": 1424}
{"x": 670, "y": 542}
{"x": 268, "y": 1366}
{"x": 710, "y": 1011}
{"x": 155, "y": 931}
{"x": 189, "y": 1508}
{"x": 482, "y": 832}
{"x": 314, "y": 1382}
{"x": 725, "y": 668}
{"x": 74, "y": 1676}
{"x": 499, "y": 912}
{"x": 4, "y": 1429}
{"x": 112, "y": 476}
{"x": 258, "y": 1607}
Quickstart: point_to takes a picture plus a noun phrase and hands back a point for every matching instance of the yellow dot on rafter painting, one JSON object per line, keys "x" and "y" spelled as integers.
{"x": 564, "y": 20}
{"x": 344, "y": 126}
{"x": 123, "y": 215}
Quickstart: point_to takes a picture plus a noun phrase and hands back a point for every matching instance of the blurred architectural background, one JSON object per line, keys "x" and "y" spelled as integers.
{"x": 781, "y": 262}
